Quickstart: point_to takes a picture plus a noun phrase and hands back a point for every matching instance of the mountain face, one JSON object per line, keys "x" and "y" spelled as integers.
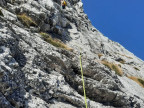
{"x": 40, "y": 44}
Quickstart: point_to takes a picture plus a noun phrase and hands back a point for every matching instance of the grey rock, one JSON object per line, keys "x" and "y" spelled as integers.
{"x": 45, "y": 28}
{"x": 2, "y": 2}
{"x": 36, "y": 74}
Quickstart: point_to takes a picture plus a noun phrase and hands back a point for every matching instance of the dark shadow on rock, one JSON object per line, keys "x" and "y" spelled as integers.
{"x": 13, "y": 80}
{"x": 62, "y": 34}
{"x": 17, "y": 53}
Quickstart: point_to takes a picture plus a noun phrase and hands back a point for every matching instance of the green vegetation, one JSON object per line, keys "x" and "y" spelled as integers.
{"x": 55, "y": 42}
{"x": 113, "y": 67}
{"x": 119, "y": 65}
{"x": 1, "y": 14}
{"x": 141, "y": 81}
{"x": 117, "y": 69}
{"x": 138, "y": 80}
{"x": 136, "y": 68}
{"x": 26, "y": 20}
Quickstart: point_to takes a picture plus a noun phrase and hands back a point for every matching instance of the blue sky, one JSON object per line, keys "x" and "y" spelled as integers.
{"x": 120, "y": 20}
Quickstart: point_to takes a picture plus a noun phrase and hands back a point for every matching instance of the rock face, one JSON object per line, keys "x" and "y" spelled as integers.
{"x": 36, "y": 74}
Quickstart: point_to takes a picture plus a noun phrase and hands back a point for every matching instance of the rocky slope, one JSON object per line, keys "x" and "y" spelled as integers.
{"x": 34, "y": 73}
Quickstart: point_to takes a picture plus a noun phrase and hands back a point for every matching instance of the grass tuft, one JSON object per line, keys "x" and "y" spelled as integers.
{"x": 141, "y": 81}
{"x": 26, "y": 20}
{"x": 55, "y": 42}
{"x": 100, "y": 55}
{"x": 138, "y": 80}
{"x": 113, "y": 67}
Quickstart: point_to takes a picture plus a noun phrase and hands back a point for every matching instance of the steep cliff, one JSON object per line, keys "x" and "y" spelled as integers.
{"x": 40, "y": 45}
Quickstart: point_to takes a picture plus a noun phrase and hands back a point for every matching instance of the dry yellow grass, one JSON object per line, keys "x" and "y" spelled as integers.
{"x": 26, "y": 20}
{"x": 138, "y": 80}
{"x": 113, "y": 67}
{"x": 55, "y": 42}
{"x": 100, "y": 55}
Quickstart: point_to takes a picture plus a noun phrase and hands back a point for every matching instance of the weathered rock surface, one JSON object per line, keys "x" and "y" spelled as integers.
{"x": 35, "y": 74}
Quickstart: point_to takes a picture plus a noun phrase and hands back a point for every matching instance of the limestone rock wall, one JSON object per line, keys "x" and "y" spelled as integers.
{"x": 36, "y": 74}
